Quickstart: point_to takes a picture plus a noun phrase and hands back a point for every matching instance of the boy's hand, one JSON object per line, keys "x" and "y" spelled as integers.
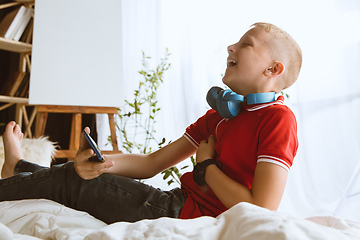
{"x": 84, "y": 168}
{"x": 206, "y": 150}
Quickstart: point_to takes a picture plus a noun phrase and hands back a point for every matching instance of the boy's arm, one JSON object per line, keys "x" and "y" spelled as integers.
{"x": 267, "y": 188}
{"x": 145, "y": 166}
{"x": 132, "y": 165}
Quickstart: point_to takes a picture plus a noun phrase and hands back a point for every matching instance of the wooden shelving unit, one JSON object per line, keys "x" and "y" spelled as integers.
{"x": 14, "y": 46}
{"x": 24, "y": 49}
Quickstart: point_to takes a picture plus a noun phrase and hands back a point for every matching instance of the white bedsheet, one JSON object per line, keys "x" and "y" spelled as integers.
{"x": 43, "y": 219}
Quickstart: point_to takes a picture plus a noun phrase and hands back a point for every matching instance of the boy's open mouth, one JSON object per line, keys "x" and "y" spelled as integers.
{"x": 231, "y": 63}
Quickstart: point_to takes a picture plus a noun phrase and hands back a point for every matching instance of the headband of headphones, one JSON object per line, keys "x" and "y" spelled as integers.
{"x": 228, "y": 103}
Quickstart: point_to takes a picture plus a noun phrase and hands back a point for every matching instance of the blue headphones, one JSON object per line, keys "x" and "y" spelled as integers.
{"x": 228, "y": 103}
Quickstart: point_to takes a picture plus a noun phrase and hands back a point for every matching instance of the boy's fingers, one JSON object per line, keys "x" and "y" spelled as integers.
{"x": 109, "y": 164}
{"x": 85, "y": 155}
{"x": 83, "y": 141}
{"x": 212, "y": 139}
{"x": 87, "y": 129}
{"x": 104, "y": 167}
{"x": 99, "y": 169}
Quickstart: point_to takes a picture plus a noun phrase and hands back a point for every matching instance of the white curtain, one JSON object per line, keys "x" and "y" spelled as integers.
{"x": 325, "y": 99}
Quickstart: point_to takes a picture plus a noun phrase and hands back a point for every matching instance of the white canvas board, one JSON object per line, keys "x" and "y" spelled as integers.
{"x": 77, "y": 53}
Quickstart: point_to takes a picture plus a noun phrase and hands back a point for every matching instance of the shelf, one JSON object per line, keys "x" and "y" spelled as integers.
{"x": 7, "y": 5}
{"x": 9, "y": 99}
{"x": 25, "y": 1}
{"x": 17, "y": 2}
{"x": 14, "y": 46}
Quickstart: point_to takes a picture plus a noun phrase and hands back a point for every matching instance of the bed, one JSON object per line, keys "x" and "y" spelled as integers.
{"x": 45, "y": 219}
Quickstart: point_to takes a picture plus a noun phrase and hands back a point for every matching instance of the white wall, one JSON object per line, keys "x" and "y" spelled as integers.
{"x": 325, "y": 99}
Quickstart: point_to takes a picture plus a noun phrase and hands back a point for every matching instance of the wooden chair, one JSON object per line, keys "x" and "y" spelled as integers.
{"x": 76, "y": 125}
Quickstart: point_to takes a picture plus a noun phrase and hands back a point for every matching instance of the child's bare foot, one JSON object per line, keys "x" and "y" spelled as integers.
{"x": 12, "y": 148}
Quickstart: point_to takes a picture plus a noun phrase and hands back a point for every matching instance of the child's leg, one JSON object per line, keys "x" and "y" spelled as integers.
{"x": 23, "y": 166}
{"x": 12, "y": 148}
{"x": 108, "y": 197}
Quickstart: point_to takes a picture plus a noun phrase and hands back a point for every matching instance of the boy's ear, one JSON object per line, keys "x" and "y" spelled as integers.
{"x": 277, "y": 69}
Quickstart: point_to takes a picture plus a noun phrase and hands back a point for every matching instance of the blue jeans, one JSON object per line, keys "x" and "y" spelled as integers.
{"x": 109, "y": 197}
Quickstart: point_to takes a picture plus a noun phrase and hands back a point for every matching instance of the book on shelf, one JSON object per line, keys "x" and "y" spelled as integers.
{"x": 10, "y": 22}
{"x": 27, "y": 32}
{"x": 22, "y": 24}
{"x": 13, "y": 84}
{"x": 23, "y": 89}
{"x": 15, "y": 22}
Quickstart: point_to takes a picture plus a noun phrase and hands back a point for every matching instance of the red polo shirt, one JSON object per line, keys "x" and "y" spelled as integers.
{"x": 260, "y": 133}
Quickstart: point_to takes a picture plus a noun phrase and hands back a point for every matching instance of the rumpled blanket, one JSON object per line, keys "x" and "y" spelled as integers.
{"x": 44, "y": 219}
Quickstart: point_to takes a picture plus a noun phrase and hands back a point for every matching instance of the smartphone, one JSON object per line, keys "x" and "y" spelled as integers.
{"x": 99, "y": 157}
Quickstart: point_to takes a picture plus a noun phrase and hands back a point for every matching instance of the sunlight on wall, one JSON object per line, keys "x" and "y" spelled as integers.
{"x": 325, "y": 99}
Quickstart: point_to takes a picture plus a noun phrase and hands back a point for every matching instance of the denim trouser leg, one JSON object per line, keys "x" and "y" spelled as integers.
{"x": 109, "y": 197}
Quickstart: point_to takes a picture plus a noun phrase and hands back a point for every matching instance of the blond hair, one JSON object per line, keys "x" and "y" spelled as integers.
{"x": 283, "y": 48}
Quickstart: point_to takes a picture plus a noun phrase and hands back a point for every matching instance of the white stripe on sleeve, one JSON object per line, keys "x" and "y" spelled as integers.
{"x": 191, "y": 140}
{"x": 274, "y": 160}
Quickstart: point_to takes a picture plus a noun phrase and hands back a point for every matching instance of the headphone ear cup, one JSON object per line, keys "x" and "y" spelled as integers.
{"x": 212, "y": 96}
{"x": 222, "y": 104}
{"x": 226, "y": 102}
{"x": 229, "y": 103}
{"x": 235, "y": 107}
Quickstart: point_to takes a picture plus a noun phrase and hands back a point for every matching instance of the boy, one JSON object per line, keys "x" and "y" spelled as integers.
{"x": 243, "y": 159}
